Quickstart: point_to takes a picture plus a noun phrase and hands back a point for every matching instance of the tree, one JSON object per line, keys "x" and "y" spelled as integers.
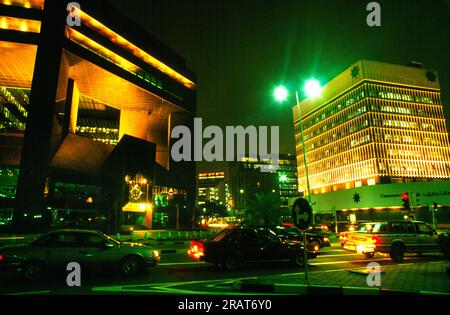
{"x": 264, "y": 208}
{"x": 212, "y": 209}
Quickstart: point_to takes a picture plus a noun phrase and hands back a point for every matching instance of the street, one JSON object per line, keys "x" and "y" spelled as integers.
{"x": 177, "y": 274}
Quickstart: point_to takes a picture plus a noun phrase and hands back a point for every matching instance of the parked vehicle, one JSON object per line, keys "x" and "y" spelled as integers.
{"x": 233, "y": 247}
{"x": 92, "y": 249}
{"x": 395, "y": 238}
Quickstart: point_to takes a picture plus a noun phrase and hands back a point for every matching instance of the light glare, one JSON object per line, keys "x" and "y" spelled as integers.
{"x": 312, "y": 88}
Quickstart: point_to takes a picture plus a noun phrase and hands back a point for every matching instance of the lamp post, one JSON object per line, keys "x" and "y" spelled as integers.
{"x": 312, "y": 89}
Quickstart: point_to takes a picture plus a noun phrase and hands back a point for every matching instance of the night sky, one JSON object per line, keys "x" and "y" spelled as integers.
{"x": 242, "y": 49}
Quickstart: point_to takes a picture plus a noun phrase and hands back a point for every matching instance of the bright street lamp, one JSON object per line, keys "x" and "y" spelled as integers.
{"x": 280, "y": 94}
{"x": 312, "y": 89}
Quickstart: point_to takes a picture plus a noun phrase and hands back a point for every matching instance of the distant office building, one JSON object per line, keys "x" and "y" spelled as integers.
{"x": 375, "y": 123}
{"x": 212, "y": 187}
{"x": 85, "y": 119}
{"x": 286, "y": 174}
{"x": 247, "y": 180}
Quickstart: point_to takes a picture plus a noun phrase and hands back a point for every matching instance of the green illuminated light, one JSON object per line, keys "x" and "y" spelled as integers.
{"x": 312, "y": 88}
{"x": 280, "y": 94}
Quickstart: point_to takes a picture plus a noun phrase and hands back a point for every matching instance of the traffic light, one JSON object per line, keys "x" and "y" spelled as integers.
{"x": 405, "y": 200}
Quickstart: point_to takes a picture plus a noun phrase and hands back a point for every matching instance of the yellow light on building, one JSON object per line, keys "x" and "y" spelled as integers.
{"x": 24, "y": 26}
{"x": 18, "y": 24}
{"x": 3, "y": 23}
{"x": 136, "y": 51}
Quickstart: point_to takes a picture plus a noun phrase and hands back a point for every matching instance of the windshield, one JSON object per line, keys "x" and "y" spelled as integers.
{"x": 371, "y": 227}
{"x": 109, "y": 238}
{"x": 221, "y": 235}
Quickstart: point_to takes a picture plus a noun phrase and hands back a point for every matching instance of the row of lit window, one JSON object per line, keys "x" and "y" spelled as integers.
{"x": 403, "y": 94}
{"x": 373, "y": 91}
{"x": 406, "y": 122}
{"x": 335, "y": 134}
{"x": 373, "y": 106}
{"x": 352, "y": 141}
{"x": 408, "y": 168}
{"x": 14, "y": 122}
{"x": 354, "y": 156}
{"x": 347, "y": 173}
{"x": 376, "y": 120}
{"x": 412, "y": 152}
{"x": 5, "y": 94}
{"x": 389, "y": 135}
{"x": 386, "y": 167}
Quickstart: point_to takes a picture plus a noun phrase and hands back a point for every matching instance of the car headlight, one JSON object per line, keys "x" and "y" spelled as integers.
{"x": 326, "y": 239}
{"x": 155, "y": 253}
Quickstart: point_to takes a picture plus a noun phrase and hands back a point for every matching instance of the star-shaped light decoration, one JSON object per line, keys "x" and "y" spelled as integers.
{"x": 356, "y": 198}
{"x": 431, "y": 76}
{"x": 355, "y": 72}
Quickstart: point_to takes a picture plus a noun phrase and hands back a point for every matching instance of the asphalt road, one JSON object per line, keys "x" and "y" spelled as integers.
{"x": 177, "y": 274}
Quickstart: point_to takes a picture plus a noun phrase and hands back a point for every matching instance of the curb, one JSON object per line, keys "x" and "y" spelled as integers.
{"x": 301, "y": 289}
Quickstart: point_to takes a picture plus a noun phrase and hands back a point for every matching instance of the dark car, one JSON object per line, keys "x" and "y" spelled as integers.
{"x": 233, "y": 247}
{"x": 293, "y": 233}
{"x": 52, "y": 251}
{"x": 322, "y": 235}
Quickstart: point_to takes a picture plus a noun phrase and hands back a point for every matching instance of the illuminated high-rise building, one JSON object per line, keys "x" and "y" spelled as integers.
{"x": 88, "y": 99}
{"x": 376, "y": 130}
{"x": 375, "y": 123}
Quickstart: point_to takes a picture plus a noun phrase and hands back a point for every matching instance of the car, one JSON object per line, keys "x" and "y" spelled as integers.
{"x": 236, "y": 246}
{"x": 293, "y": 233}
{"x": 52, "y": 251}
{"x": 395, "y": 238}
{"x": 322, "y": 235}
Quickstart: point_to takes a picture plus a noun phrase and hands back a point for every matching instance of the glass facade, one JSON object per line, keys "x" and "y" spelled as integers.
{"x": 375, "y": 132}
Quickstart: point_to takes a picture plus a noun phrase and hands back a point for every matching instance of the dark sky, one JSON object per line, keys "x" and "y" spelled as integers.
{"x": 242, "y": 49}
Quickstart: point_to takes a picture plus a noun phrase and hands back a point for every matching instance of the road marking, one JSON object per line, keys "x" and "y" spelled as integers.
{"x": 336, "y": 255}
{"x": 183, "y": 263}
{"x": 29, "y": 292}
{"x": 347, "y": 261}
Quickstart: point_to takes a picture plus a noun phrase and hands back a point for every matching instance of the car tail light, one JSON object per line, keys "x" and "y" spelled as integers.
{"x": 196, "y": 250}
{"x": 1, "y": 257}
{"x": 376, "y": 240}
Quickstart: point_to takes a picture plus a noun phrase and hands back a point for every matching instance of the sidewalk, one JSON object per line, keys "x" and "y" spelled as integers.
{"x": 415, "y": 278}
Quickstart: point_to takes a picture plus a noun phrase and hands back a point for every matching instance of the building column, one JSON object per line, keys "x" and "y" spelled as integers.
{"x": 37, "y": 139}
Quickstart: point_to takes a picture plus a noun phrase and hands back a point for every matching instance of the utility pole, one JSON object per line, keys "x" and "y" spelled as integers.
{"x": 433, "y": 208}
{"x": 335, "y": 220}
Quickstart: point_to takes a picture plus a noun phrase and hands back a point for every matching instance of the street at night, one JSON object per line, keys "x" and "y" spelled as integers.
{"x": 177, "y": 274}
{"x": 225, "y": 155}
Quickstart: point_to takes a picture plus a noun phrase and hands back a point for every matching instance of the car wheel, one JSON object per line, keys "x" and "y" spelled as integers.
{"x": 397, "y": 253}
{"x": 33, "y": 270}
{"x": 232, "y": 262}
{"x": 130, "y": 265}
{"x": 298, "y": 260}
{"x": 369, "y": 255}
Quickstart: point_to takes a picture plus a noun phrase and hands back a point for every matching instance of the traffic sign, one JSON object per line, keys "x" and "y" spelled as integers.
{"x": 302, "y": 213}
